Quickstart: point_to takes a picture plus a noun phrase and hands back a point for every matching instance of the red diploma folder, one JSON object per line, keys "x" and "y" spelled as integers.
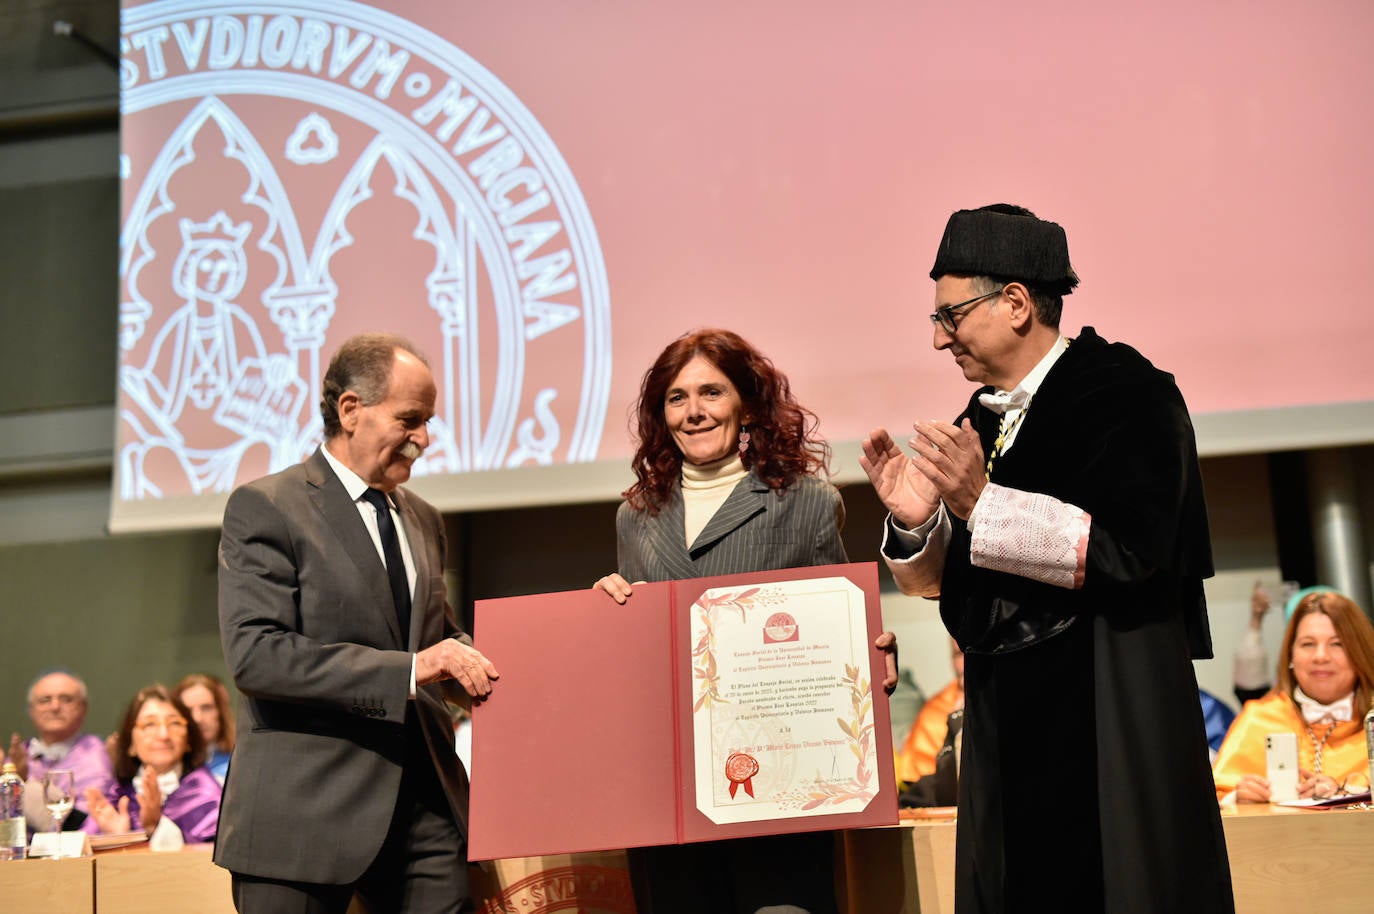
{"x": 587, "y": 742}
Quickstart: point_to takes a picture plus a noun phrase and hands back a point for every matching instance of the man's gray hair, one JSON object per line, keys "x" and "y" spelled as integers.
{"x": 363, "y": 365}
{"x": 58, "y": 671}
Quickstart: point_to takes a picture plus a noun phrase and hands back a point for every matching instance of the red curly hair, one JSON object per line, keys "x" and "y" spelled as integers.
{"x": 783, "y": 443}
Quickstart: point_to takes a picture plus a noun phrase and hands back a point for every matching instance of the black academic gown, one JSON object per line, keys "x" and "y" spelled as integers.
{"x": 1084, "y": 780}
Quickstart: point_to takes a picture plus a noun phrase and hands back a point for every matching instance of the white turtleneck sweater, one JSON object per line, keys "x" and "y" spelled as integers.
{"x": 705, "y": 488}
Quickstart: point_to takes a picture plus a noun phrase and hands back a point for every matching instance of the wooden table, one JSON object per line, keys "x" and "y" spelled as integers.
{"x": 137, "y": 881}
{"x": 1282, "y": 860}
{"x": 1285, "y": 860}
{"x": 37, "y": 886}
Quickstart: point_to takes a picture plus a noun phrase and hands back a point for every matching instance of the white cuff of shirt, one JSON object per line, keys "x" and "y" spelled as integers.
{"x": 909, "y": 543}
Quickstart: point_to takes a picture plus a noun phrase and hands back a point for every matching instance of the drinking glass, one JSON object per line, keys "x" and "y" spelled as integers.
{"x": 58, "y": 797}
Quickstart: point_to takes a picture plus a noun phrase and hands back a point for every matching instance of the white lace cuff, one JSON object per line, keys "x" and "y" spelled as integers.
{"x": 1030, "y": 535}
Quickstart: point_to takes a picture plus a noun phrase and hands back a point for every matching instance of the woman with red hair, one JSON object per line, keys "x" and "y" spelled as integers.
{"x": 727, "y": 480}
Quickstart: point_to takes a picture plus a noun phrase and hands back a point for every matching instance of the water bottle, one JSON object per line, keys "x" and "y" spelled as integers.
{"x": 12, "y": 843}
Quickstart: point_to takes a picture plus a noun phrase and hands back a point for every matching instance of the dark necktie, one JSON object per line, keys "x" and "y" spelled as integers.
{"x": 395, "y": 565}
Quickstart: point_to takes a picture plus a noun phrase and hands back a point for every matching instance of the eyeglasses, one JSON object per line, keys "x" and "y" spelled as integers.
{"x": 945, "y": 316}
{"x": 1353, "y": 784}
{"x": 63, "y": 699}
{"x": 150, "y": 727}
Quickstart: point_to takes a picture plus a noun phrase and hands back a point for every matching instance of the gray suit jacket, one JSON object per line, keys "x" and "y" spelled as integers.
{"x": 312, "y": 642}
{"x": 756, "y": 529}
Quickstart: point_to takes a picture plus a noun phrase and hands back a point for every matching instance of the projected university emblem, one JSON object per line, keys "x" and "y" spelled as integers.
{"x": 298, "y": 172}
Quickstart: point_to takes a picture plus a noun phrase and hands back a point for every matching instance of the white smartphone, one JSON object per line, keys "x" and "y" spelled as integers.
{"x": 1281, "y": 759}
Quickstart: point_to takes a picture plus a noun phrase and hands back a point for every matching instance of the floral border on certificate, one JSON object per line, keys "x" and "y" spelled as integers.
{"x": 858, "y": 729}
{"x": 704, "y": 651}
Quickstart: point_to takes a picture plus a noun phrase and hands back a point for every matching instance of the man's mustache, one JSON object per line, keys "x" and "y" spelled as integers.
{"x": 410, "y": 450}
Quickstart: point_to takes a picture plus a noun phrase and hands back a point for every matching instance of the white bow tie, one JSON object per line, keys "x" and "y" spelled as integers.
{"x": 1314, "y": 712}
{"x": 47, "y": 753}
{"x": 1000, "y": 401}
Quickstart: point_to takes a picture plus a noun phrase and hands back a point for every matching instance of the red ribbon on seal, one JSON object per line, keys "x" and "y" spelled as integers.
{"x": 740, "y": 769}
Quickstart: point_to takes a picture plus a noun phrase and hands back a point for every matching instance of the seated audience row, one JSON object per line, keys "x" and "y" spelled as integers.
{"x": 163, "y": 766}
{"x": 1324, "y": 686}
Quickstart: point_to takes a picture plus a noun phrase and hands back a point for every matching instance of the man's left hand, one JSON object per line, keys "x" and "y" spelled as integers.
{"x": 951, "y": 457}
{"x": 452, "y": 659}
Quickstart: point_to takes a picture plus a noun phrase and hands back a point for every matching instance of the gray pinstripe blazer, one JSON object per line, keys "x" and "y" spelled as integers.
{"x": 756, "y": 529}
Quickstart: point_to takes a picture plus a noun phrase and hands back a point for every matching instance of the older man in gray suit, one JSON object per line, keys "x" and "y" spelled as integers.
{"x": 337, "y": 632}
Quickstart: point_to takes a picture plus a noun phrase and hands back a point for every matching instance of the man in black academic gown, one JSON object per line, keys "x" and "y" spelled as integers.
{"x": 1060, "y": 520}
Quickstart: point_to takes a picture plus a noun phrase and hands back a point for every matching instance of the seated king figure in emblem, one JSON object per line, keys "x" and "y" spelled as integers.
{"x": 175, "y": 400}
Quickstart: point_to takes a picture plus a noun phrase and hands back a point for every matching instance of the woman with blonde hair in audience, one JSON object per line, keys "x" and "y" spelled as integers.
{"x": 160, "y": 775}
{"x": 1323, "y": 690}
{"x": 208, "y": 701}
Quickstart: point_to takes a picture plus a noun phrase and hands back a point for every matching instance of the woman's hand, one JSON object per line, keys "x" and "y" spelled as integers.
{"x": 619, "y": 589}
{"x": 1316, "y": 786}
{"x": 149, "y": 800}
{"x": 112, "y": 820}
{"x": 887, "y": 643}
{"x": 1252, "y": 789}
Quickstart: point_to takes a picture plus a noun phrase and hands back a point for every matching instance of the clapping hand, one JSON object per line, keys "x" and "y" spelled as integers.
{"x": 19, "y": 755}
{"x": 111, "y": 819}
{"x": 951, "y": 459}
{"x": 149, "y": 800}
{"x": 906, "y": 492}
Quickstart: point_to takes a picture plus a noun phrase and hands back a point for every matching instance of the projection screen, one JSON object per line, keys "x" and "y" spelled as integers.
{"x": 542, "y": 195}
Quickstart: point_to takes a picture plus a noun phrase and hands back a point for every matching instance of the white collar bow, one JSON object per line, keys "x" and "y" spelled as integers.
{"x": 49, "y": 752}
{"x": 1314, "y": 712}
{"x": 1001, "y": 401}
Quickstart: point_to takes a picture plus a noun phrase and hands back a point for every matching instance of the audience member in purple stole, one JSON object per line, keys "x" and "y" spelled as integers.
{"x": 159, "y": 773}
{"x": 57, "y": 707}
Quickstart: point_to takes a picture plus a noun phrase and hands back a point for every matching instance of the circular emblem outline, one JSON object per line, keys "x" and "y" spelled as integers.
{"x": 142, "y": 88}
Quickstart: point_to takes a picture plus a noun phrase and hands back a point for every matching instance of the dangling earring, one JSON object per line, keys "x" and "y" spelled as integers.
{"x": 743, "y": 440}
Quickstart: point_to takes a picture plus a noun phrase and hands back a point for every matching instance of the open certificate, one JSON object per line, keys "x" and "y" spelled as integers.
{"x": 783, "y": 715}
{"x": 712, "y": 708}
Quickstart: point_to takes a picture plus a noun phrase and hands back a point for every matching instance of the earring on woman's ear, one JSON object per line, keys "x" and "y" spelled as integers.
{"x": 743, "y": 439}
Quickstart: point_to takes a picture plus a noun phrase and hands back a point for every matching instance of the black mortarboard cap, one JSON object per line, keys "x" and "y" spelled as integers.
{"x": 1000, "y": 242}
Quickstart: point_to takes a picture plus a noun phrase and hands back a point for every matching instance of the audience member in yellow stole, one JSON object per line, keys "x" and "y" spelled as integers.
{"x": 917, "y": 756}
{"x": 1324, "y": 685}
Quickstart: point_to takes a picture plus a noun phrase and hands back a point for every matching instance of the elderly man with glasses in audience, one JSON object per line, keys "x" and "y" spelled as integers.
{"x": 57, "y": 707}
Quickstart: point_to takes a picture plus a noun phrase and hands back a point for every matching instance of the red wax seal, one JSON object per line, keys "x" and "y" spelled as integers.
{"x": 779, "y": 627}
{"x": 740, "y": 768}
